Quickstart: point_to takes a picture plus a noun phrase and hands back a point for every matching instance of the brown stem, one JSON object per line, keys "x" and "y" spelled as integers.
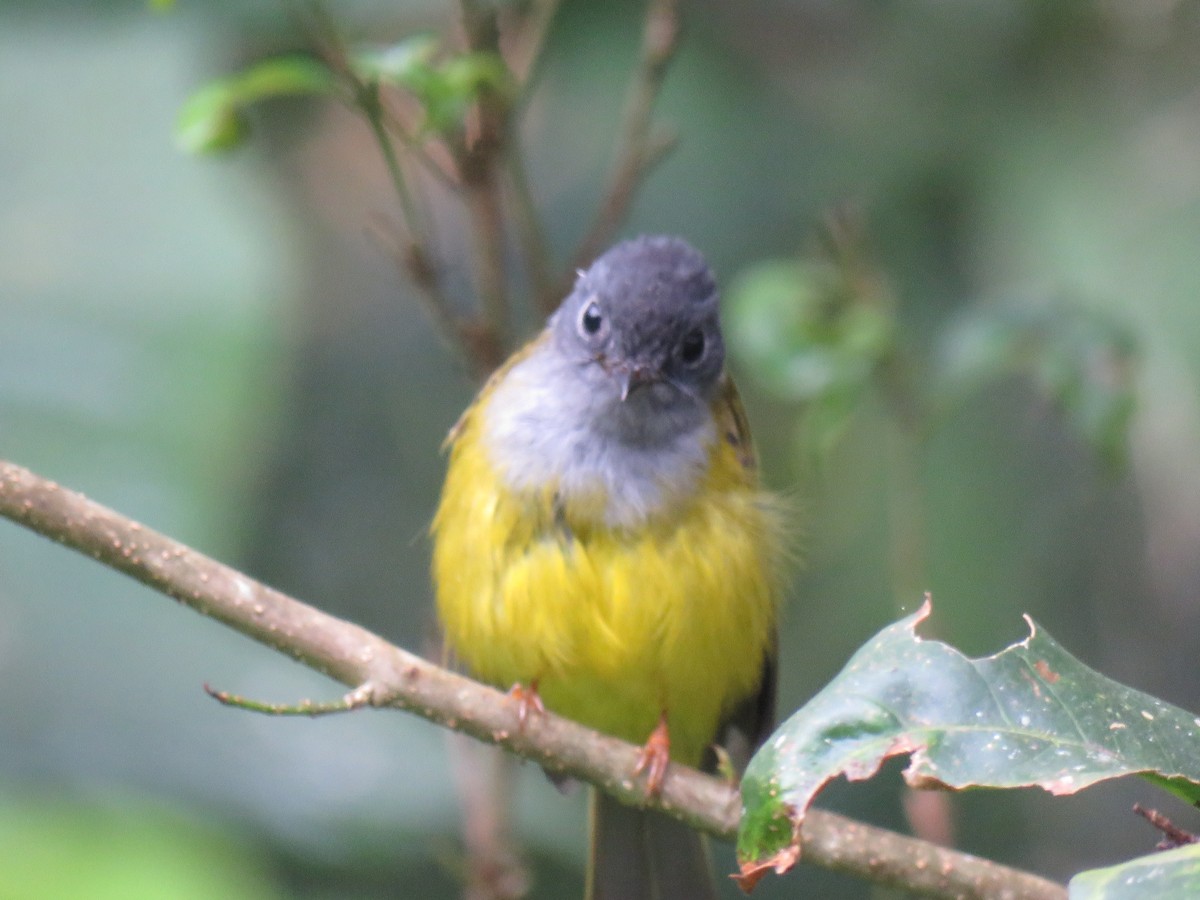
{"x": 487, "y": 222}
{"x": 523, "y": 49}
{"x": 486, "y": 780}
{"x": 478, "y": 154}
{"x": 521, "y": 42}
{"x": 386, "y": 675}
{"x": 1173, "y": 835}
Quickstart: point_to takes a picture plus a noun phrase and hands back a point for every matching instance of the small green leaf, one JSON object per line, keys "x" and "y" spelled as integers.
{"x": 407, "y": 63}
{"x": 457, "y": 83}
{"x": 283, "y": 76}
{"x": 803, "y": 330}
{"x": 1185, "y": 789}
{"x": 210, "y": 121}
{"x": 1171, "y": 873}
{"x": 445, "y": 88}
{"x": 213, "y": 119}
{"x": 775, "y": 320}
{"x": 470, "y": 74}
{"x": 809, "y": 339}
{"x": 1031, "y": 715}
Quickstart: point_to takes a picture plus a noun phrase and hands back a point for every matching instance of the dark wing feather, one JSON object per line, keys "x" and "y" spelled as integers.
{"x": 750, "y": 721}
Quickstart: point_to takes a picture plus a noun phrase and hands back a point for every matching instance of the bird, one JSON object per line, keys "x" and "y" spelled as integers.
{"x": 603, "y": 547}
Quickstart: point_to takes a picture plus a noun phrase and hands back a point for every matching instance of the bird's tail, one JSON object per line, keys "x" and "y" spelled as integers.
{"x": 641, "y": 855}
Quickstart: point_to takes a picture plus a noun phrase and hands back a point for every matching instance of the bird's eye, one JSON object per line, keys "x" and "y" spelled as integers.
{"x": 590, "y": 320}
{"x": 691, "y": 348}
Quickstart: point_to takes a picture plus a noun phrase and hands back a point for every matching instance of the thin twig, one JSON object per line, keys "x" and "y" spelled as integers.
{"x": 389, "y": 676}
{"x": 355, "y": 699}
{"x": 411, "y": 260}
{"x": 640, "y": 150}
{"x": 478, "y": 155}
{"x": 367, "y": 99}
{"x": 413, "y": 249}
{"x": 523, "y": 47}
{"x": 1173, "y": 835}
{"x": 327, "y": 41}
{"x": 487, "y": 222}
{"x": 431, "y": 156}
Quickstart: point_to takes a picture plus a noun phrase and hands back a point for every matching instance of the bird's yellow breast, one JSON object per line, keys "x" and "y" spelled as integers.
{"x": 615, "y": 624}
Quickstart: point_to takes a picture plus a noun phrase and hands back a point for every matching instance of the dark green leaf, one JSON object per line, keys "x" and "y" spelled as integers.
{"x": 1172, "y": 873}
{"x": 213, "y": 119}
{"x": 1031, "y": 715}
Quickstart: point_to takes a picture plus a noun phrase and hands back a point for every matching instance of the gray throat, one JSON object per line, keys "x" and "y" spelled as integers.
{"x": 551, "y": 419}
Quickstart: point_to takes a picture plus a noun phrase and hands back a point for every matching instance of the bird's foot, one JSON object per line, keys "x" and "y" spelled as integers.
{"x": 655, "y": 755}
{"x": 528, "y": 701}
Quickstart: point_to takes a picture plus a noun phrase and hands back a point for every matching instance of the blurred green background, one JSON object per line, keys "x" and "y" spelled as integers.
{"x": 222, "y": 350}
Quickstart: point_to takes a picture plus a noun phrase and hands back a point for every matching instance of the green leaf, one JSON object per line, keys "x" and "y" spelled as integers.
{"x": 406, "y": 63}
{"x": 457, "y": 83}
{"x": 471, "y": 74}
{"x": 213, "y": 119}
{"x": 1171, "y": 873}
{"x": 1084, "y": 362}
{"x": 809, "y": 337}
{"x": 445, "y": 88}
{"x": 780, "y": 320}
{"x": 1031, "y": 715}
{"x": 210, "y": 121}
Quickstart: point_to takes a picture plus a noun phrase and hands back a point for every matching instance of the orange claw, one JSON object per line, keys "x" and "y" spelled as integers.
{"x": 528, "y": 700}
{"x": 655, "y": 755}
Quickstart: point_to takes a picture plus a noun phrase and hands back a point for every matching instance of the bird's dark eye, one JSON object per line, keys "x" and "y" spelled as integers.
{"x": 590, "y": 319}
{"x": 691, "y": 348}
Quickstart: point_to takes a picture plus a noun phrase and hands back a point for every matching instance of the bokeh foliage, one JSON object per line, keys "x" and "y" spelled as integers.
{"x": 227, "y": 352}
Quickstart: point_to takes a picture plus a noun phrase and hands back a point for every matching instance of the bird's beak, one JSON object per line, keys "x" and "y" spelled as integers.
{"x": 635, "y": 376}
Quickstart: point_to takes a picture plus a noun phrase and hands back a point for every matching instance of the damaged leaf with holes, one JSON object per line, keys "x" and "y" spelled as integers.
{"x": 1029, "y": 716}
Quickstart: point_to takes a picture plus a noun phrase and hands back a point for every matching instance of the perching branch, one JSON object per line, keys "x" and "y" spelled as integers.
{"x": 382, "y": 675}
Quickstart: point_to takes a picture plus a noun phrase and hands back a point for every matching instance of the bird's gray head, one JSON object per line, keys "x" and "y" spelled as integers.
{"x": 642, "y": 324}
{"x": 615, "y": 401}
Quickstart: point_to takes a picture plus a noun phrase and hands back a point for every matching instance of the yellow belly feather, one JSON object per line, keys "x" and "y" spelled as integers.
{"x": 614, "y": 625}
